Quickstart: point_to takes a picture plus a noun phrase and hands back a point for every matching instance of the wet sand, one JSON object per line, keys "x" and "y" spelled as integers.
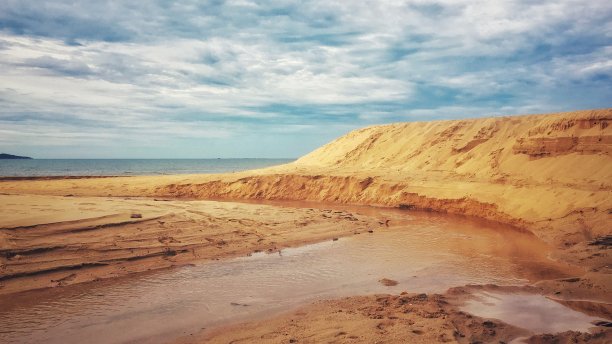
{"x": 415, "y": 251}
{"x": 49, "y": 241}
{"x": 65, "y": 241}
{"x": 403, "y": 318}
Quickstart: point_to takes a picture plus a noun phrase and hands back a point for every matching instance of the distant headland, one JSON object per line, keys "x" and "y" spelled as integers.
{"x": 10, "y": 156}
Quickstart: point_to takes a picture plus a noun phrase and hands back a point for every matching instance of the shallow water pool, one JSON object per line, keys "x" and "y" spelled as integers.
{"x": 423, "y": 252}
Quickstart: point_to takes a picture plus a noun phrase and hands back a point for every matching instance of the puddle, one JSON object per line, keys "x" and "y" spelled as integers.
{"x": 424, "y": 253}
{"x": 535, "y": 313}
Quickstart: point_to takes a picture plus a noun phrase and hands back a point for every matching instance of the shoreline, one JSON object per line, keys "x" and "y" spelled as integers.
{"x": 18, "y": 178}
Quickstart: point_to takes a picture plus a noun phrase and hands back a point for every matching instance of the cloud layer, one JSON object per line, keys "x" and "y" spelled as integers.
{"x": 278, "y": 78}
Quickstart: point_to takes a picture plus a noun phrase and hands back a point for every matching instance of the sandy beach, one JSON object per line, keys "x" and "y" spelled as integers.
{"x": 53, "y": 241}
{"x": 550, "y": 175}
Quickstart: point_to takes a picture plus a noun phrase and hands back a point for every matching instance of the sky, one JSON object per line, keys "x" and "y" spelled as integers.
{"x": 277, "y": 79}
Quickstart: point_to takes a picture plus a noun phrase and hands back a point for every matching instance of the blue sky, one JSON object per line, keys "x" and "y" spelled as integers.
{"x": 206, "y": 79}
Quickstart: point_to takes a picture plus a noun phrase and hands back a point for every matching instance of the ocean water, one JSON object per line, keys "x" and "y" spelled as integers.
{"x": 123, "y": 167}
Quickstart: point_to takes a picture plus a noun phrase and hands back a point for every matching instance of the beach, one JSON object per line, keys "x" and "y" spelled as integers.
{"x": 546, "y": 175}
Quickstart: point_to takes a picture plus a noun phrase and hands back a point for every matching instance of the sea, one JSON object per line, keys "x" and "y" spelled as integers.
{"x": 128, "y": 167}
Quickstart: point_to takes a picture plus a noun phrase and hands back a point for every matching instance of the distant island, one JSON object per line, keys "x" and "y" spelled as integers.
{"x": 10, "y": 156}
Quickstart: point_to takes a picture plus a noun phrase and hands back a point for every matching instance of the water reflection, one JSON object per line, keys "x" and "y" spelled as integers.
{"x": 532, "y": 312}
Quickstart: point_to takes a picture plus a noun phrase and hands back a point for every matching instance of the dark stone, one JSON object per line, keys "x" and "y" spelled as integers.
{"x": 602, "y": 241}
{"x": 407, "y": 206}
{"x": 603, "y": 323}
{"x": 571, "y": 280}
{"x": 488, "y": 324}
{"x": 239, "y": 304}
{"x": 388, "y": 282}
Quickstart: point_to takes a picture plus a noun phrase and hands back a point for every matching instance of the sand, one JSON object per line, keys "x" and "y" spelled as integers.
{"x": 404, "y": 318}
{"x": 549, "y": 174}
{"x": 49, "y": 241}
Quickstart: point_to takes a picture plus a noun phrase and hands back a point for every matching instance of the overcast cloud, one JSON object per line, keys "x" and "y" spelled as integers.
{"x": 279, "y": 78}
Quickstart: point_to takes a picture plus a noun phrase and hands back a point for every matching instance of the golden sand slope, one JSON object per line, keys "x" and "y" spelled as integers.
{"x": 517, "y": 169}
{"x": 525, "y": 170}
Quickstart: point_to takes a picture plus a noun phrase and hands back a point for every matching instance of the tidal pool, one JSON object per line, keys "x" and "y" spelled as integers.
{"x": 423, "y": 252}
{"x": 535, "y": 313}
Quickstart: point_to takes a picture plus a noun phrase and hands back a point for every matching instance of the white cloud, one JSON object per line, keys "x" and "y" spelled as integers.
{"x": 194, "y": 69}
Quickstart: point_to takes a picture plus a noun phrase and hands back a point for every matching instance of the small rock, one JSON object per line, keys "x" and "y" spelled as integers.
{"x": 571, "y": 280}
{"x": 488, "y": 324}
{"x": 388, "y": 282}
{"x": 602, "y": 241}
{"x": 603, "y": 323}
{"x": 136, "y": 216}
{"x": 407, "y": 206}
{"x": 370, "y": 231}
{"x": 335, "y": 239}
{"x": 239, "y": 304}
